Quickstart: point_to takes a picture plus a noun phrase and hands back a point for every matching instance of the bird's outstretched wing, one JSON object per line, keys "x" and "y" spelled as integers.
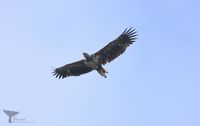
{"x": 73, "y": 69}
{"x": 117, "y": 46}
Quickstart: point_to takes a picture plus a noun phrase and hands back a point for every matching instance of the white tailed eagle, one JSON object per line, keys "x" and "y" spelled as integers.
{"x": 96, "y": 60}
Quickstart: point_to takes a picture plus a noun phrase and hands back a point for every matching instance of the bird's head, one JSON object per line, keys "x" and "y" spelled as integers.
{"x": 87, "y": 56}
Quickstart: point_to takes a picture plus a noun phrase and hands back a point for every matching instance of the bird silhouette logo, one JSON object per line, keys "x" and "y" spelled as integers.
{"x": 10, "y": 114}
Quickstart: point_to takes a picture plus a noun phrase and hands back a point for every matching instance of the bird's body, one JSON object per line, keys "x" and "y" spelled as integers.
{"x": 95, "y": 64}
{"x": 96, "y": 60}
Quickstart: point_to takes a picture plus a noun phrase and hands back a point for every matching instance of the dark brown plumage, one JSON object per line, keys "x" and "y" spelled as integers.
{"x": 72, "y": 69}
{"x": 117, "y": 46}
{"x": 95, "y": 61}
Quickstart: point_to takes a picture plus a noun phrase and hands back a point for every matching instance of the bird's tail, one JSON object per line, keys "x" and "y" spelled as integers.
{"x": 102, "y": 71}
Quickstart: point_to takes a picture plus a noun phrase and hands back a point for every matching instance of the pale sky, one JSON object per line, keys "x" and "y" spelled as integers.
{"x": 154, "y": 83}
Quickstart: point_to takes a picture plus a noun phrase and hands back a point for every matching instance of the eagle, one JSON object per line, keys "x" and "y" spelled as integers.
{"x": 95, "y": 61}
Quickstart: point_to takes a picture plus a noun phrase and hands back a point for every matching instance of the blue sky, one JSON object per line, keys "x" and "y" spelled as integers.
{"x": 155, "y": 83}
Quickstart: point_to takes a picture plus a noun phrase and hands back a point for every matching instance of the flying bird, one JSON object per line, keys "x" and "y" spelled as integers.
{"x": 95, "y": 61}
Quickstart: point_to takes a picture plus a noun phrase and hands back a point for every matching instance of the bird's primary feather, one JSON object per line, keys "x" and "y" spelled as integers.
{"x": 117, "y": 46}
{"x": 72, "y": 69}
